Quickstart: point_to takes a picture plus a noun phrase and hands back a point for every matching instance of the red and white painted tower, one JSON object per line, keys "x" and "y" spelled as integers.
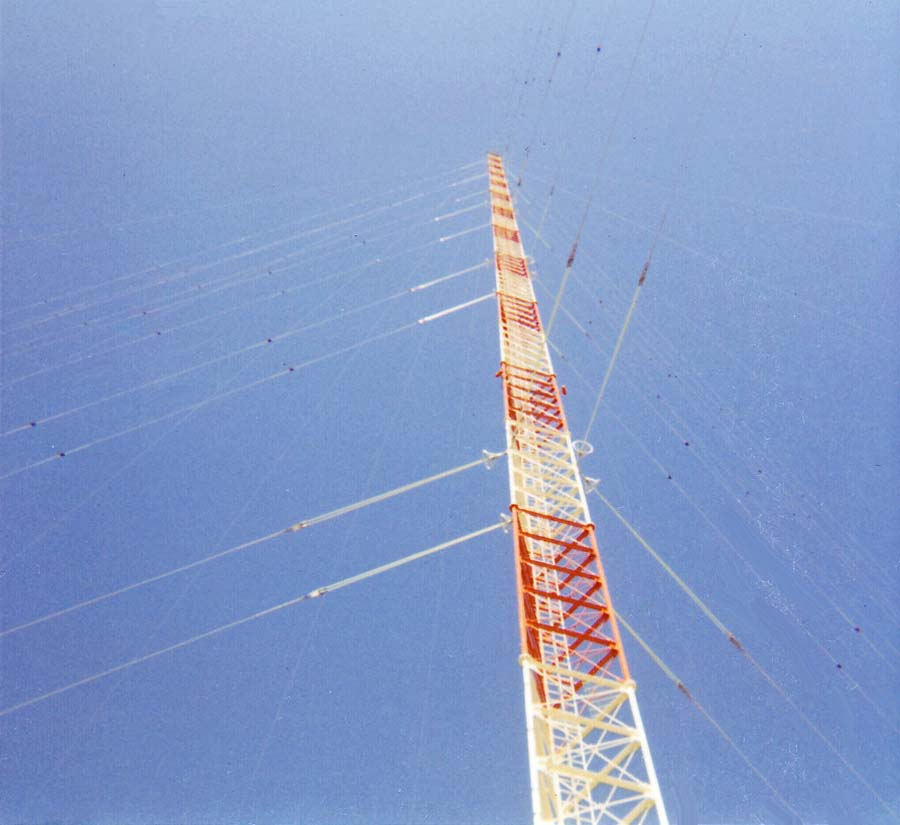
{"x": 589, "y": 758}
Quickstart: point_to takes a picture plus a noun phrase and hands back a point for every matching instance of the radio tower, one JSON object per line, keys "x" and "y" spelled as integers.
{"x": 589, "y": 757}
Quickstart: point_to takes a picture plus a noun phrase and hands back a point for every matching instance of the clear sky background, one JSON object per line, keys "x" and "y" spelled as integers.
{"x": 221, "y": 173}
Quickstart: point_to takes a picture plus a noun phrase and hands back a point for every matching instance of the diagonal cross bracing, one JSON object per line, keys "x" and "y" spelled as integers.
{"x": 590, "y": 762}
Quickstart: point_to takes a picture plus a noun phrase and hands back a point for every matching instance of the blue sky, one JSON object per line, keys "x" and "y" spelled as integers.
{"x": 299, "y": 155}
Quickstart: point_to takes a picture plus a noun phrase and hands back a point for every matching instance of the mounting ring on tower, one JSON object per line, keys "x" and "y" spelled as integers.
{"x": 582, "y": 448}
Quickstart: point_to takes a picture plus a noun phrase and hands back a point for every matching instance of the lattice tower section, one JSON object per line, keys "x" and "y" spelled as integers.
{"x": 589, "y": 758}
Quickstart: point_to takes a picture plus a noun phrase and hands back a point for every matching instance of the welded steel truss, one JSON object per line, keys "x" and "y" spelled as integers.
{"x": 590, "y": 762}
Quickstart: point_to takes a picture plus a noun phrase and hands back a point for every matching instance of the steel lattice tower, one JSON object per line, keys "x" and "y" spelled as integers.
{"x": 589, "y": 757}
